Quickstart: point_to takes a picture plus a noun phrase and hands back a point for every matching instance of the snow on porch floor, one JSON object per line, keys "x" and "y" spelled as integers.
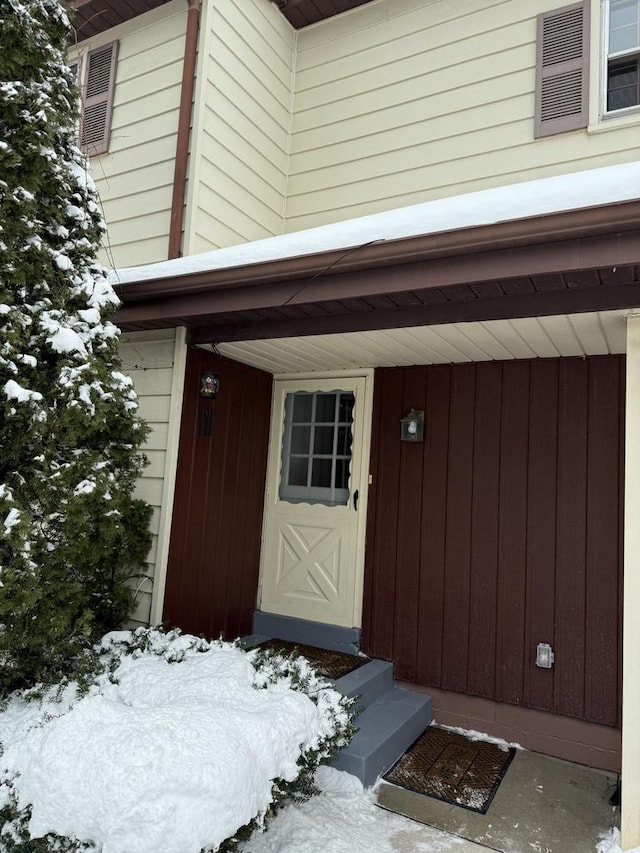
{"x": 543, "y": 805}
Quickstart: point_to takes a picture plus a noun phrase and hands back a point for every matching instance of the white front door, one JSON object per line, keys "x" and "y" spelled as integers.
{"x": 313, "y": 549}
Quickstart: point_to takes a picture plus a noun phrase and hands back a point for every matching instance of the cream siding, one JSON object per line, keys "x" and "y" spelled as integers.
{"x": 243, "y": 107}
{"x": 155, "y": 362}
{"x": 402, "y": 101}
{"x": 135, "y": 177}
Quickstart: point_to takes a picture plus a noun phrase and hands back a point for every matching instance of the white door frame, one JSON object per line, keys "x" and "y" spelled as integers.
{"x": 359, "y": 479}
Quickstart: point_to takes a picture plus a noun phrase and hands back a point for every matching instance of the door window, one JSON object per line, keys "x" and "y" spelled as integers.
{"x": 316, "y": 447}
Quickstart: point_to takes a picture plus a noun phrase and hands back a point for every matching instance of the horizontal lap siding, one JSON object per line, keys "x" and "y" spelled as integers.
{"x": 401, "y": 102}
{"x": 214, "y": 555}
{"x": 243, "y": 110}
{"x": 500, "y": 531}
{"x": 148, "y": 358}
{"x": 135, "y": 177}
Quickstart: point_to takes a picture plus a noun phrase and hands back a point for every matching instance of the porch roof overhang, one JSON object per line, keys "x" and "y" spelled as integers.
{"x": 563, "y": 263}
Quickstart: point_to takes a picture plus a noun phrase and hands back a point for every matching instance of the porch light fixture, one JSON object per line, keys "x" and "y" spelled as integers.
{"x": 544, "y": 656}
{"x": 209, "y": 385}
{"x": 412, "y": 427}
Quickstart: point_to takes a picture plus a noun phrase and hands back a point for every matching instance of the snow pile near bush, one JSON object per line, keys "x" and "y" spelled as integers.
{"x": 175, "y": 748}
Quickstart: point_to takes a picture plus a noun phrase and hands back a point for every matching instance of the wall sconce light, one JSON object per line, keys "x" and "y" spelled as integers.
{"x": 544, "y": 656}
{"x": 412, "y": 427}
{"x": 209, "y": 385}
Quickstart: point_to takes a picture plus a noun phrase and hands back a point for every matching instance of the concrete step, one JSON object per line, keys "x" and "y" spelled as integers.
{"x": 386, "y": 729}
{"x": 333, "y": 637}
{"x": 367, "y": 683}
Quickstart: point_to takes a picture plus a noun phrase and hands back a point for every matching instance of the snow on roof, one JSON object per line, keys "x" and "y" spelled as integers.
{"x": 562, "y": 193}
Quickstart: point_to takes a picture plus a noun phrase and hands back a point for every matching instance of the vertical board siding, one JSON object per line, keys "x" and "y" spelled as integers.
{"x": 457, "y": 568}
{"x": 148, "y": 358}
{"x": 135, "y": 178}
{"x": 382, "y": 521}
{"x": 602, "y": 541}
{"x": 541, "y": 525}
{"x": 245, "y": 117}
{"x": 512, "y": 533}
{"x": 500, "y": 531}
{"x": 433, "y": 528}
{"x": 484, "y": 532}
{"x": 408, "y": 553}
{"x": 399, "y": 102}
{"x": 570, "y": 599}
{"x": 214, "y": 555}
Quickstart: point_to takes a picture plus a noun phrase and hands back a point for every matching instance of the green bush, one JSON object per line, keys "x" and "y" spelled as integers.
{"x": 70, "y": 530}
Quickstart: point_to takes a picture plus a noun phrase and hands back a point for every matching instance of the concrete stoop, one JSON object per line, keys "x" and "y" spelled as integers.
{"x": 391, "y": 718}
{"x": 390, "y": 721}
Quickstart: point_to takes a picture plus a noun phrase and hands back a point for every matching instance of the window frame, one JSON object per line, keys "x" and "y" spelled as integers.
{"x": 605, "y": 113}
{"x": 331, "y": 495}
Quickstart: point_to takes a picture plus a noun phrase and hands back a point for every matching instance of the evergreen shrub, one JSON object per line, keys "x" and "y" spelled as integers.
{"x": 70, "y": 530}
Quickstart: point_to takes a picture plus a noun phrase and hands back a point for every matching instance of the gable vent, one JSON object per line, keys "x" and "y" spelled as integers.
{"x": 562, "y": 70}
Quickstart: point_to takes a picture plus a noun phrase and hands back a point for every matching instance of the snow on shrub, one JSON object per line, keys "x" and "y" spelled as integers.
{"x": 72, "y": 533}
{"x": 180, "y": 745}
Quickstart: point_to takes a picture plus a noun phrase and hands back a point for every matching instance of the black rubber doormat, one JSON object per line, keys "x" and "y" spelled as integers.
{"x": 450, "y": 767}
{"x": 329, "y": 664}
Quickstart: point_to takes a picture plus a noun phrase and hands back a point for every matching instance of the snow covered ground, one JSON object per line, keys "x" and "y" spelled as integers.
{"x": 176, "y": 746}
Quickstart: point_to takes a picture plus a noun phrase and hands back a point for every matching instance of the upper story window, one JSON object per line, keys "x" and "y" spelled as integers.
{"x": 623, "y": 55}
{"x": 96, "y": 71}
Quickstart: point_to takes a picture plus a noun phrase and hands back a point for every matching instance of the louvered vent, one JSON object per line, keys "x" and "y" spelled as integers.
{"x": 94, "y": 121}
{"x": 562, "y": 37}
{"x": 562, "y": 95}
{"x": 562, "y": 80}
{"x": 99, "y": 73}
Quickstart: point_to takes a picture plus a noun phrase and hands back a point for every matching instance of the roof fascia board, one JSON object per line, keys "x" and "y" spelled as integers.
{"x": 621, "y": 248}
{"x": 537, "y": 304}
{"x": 576, "y": 224}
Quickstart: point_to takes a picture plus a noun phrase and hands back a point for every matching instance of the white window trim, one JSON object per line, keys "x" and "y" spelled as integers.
{"x": 605, "y": 115}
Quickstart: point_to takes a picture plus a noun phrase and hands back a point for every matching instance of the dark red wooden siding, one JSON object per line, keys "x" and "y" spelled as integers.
{"x": 214, "y": 557}
{"x": 500, "y": 531}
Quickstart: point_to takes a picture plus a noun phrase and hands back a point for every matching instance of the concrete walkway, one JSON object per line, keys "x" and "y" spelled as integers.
{"x": 543, "y": 805}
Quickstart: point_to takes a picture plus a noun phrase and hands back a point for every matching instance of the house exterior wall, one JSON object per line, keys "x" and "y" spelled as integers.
{"x": 502, "y": 530}
{"x": 135, "y": 177}
{"x": 402, "y": 101}
{"x": 239, "y": 147}
{"x": 155, "y": 362}
{"x": 214, "y": 557}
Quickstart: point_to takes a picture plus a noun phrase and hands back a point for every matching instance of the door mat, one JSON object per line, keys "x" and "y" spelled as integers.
{"x": 328, "y": 664}
{"x": 450, "y": 767}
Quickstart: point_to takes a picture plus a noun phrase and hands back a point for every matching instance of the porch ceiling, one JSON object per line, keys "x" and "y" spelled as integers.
{"x": 592, "y": 333}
